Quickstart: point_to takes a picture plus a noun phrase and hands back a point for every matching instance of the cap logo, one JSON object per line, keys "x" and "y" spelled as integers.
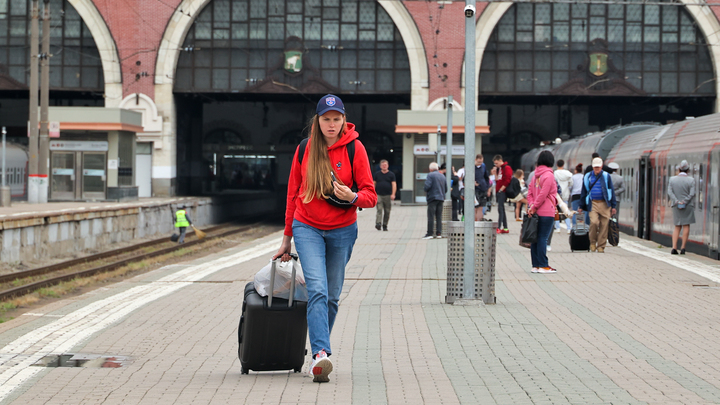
{"x": 330, "y": 101}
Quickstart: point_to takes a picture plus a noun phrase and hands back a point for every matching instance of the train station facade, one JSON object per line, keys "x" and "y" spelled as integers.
{"x": 226, "y": 87}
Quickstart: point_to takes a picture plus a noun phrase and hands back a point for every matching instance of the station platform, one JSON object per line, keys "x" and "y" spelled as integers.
{"x": 631, "y": 326}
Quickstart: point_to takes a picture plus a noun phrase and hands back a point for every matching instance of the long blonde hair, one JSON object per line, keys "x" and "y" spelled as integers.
{"x": 317, "y": 181}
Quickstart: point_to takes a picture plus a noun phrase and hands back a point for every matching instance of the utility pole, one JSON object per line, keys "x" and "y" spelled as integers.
{"x": 469, "y": 253}
{"x": 44, "y": 152}
{"x": 33, "y": 130}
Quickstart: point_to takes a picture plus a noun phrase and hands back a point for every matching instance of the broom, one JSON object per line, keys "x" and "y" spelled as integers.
{"x": 200, "y": 234}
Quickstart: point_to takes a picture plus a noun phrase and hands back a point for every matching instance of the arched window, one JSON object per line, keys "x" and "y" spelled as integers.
{"x": 75, "y": 62}
{"x": 597, "y": 49}
{"x": 290, "y": 46}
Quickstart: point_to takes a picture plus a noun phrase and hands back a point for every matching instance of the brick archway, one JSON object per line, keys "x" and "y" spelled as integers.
{"x": 106, "y": 47}
{"x": 707, "y": 22}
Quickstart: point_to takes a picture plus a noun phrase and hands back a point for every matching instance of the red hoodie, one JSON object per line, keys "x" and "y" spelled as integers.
{"x": 319, "y": 213}
{"x": 503, "y": 177}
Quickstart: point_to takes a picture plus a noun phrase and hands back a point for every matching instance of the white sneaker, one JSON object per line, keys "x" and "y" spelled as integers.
{"x": 534, "y": 270}
{"x": 549, "y": 248}
{"x": 547, "y": 270}
{"x": 321, "y": 367}
{"x": 427, "y": 237}
{"x": 569, "y": 230}
{"x": 557, "y": 230}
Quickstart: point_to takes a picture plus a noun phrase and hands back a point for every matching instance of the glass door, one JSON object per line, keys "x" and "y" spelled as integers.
{"x": 94, "y": 178}
{"x": 62, "y": 185}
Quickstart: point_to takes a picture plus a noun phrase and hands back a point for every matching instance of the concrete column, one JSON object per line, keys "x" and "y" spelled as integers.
{"x": 164, "y": 173}
{"x": 408, "y": 162}
{"x": 113, "y": 144}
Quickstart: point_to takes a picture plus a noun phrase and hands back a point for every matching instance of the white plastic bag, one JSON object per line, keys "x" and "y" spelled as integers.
{"x": 283, "y": 276}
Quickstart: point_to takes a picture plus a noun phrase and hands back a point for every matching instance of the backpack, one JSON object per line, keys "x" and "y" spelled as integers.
{"x": 332, "y": 199}
{"x": 513, "y": 189}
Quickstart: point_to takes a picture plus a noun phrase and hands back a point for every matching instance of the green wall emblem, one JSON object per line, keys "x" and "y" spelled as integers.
{"x": 293, "y": 61}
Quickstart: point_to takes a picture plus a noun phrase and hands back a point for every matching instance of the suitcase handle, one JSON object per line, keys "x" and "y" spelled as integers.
{"x": 272, "y": 282}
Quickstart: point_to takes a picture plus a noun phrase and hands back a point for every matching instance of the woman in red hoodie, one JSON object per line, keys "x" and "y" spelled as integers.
{"x": 321, "y": 215}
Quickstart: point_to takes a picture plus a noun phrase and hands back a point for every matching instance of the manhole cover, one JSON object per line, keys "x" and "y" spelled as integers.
{"x": 82, "y": 360}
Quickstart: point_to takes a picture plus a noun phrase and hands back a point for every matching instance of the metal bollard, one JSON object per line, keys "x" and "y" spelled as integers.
{"x": 484, "y": 280}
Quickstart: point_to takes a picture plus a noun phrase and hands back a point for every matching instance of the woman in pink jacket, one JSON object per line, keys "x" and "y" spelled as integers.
{"x": 542, "y": 201}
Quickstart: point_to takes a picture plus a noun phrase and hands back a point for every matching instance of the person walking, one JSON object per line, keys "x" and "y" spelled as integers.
{"x": 577, "y": 184}
{"x": 518, "y": 182}
{"x": 542, "y": 194}
{"x": 385, "y": 186}
{"x": 482, "y": 186}
{"x": 564, "y": 180}
{"x": 681, "y": 190}
{"x": 598, "y": 198}
{"x": 435, "y": 189}
{"x": 461, "y": 183}
{"x": 502, "y": 181}
{"x": 182, "y": 221}
{"x": 455, "y": 194}
{"x": 618, "y": 184}
{"x": 321, "y": 216}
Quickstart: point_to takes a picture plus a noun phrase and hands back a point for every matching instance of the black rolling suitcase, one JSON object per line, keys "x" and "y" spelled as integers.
{"x": 579, "y": 237}
{"x": 272, "y": 331}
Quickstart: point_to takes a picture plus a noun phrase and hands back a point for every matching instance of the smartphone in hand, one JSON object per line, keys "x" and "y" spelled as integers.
{"x": 333, "y": 177}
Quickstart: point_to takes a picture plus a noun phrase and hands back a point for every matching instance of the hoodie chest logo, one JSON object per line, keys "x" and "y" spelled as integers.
{"x": 338, "y": 165}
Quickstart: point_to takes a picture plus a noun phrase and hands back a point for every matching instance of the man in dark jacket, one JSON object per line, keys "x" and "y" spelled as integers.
{"x": 435, "y": 188}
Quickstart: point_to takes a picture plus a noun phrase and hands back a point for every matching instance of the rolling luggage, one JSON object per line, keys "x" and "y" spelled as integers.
{"x": 272, "y": 331}
{"x": 579, "y": 238}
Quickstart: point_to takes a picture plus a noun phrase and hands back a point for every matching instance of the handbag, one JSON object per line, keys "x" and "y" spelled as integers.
{"x": 529, "y": 232}
{"x": 613, "y": 231}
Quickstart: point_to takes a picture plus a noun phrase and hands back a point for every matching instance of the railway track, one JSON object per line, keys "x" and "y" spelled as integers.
{"x": 25, "y": 282}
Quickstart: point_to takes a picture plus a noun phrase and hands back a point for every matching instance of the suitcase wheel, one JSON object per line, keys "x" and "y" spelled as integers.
{"x": 243, "y": 370}
{"x": 297, "y": 370}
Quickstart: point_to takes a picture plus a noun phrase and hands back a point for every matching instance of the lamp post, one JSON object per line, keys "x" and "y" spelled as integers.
{"x": 469, "y": 245}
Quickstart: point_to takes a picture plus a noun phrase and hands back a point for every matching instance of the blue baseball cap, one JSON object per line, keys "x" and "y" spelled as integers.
{"x": 330, "y": 102}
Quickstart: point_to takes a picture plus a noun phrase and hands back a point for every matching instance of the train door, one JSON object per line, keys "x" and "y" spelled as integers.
{"x": 712, "y": 201}
{"x": 421, "y": 171}
{"x": 63, "y": 171}
{"x": 645, "y": 198}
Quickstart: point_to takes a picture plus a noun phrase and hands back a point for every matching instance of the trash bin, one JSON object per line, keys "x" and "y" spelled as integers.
{"x": 484, "y": 280}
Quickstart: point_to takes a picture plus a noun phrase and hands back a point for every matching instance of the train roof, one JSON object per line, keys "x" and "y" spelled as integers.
{"x": 15, "y": 154}
{"x": 635, "y": 145}
{"x": 684, "y": 139}
{"x": 600, "y": 142}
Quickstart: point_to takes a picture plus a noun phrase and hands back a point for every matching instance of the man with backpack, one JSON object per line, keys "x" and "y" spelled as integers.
{"x": 598, "y": 197}
{"x": 502, "y": 181}
{"x": 482, "y": 187}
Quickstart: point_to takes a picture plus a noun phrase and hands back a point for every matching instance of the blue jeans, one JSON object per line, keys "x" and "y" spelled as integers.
{"x": 538, "y": 250}
{"x": 323, "y": 255}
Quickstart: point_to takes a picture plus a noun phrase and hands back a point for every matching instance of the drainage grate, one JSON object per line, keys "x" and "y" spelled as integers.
{"x": 82, "y": 360}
